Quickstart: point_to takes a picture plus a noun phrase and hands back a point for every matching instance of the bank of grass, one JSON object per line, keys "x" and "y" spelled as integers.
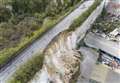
{"x": 28, "y": 70}
{"x": 9, "y": 54}
{"x": 77, "y": 22}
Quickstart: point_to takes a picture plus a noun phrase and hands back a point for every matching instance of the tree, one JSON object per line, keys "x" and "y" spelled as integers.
{"x": 29, "y": 6}
{"x": 5, "y": 14}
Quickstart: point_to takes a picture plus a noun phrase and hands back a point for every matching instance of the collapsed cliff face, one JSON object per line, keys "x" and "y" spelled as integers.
{"x": 62, "y": 61}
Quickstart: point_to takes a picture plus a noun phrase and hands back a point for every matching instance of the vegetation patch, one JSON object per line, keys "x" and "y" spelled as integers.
{"x": 20, "y": 27}
{"x": 26, "y": 72}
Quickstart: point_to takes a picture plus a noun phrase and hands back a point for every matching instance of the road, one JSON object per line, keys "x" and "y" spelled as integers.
{"x": 90, "y": 57}
{"x": 110, "y": 47}
{"x": 41, "y": 43}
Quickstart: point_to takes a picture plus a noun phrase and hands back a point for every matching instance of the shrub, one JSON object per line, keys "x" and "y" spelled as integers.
{"x": 5, "y": 14}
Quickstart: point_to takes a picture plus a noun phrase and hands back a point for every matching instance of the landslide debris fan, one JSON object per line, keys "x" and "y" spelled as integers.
{"x": 62, "y": 61}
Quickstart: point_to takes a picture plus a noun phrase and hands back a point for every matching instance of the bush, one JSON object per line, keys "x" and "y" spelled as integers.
{"x": 5, "y": 14}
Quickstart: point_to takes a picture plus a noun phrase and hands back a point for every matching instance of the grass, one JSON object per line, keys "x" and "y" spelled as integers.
{"x": 77, "y": 22}
{"x": 8, "y": 54}
{"x": 28, "y": 70}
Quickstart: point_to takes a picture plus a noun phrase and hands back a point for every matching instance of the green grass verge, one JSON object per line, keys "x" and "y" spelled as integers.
{"x": 9, "y": 54}
{"x": 28, "y": 70}
{"x": 77, "y": 22}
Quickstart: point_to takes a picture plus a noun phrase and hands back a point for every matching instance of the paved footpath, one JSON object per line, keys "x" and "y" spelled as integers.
{"x": 41, "y": 43}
